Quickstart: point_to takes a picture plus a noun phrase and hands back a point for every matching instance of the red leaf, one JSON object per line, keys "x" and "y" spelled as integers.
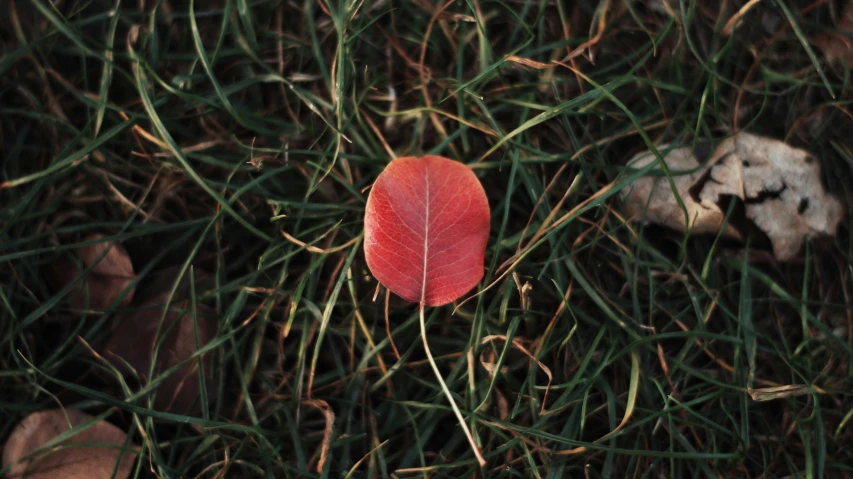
{"x": 426, "y": 227}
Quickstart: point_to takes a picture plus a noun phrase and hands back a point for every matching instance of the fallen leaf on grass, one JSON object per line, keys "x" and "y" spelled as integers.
{"x": 651, "y": 197}
{"x": 838, "y": 45}
{"x": 163, "y": 281}
{"x": 426, "y": 227}
{"x": 145, "y": 337}
{"x": 779, "y": 185}
{"x": 111, "y": 274}
{"x": 69, "y": 460}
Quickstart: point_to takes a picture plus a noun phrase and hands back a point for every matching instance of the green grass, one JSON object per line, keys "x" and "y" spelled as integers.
{"x": 195, "y": 135}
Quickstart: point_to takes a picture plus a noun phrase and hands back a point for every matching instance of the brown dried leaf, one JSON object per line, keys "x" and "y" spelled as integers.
{"x": 779, "y": 185}
{"x": 67, "y": 461}
{"x": 838, "y": 45}
{"x": 162, "y": 281}
{"x": 104, "y": 282}
{"x": 141, "y": 335}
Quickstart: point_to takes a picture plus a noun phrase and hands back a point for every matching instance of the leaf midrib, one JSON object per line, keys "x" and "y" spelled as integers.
{"x": 426, "y": 240}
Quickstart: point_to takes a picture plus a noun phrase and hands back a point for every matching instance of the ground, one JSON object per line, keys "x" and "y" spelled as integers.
{"x": 233, "y": 144}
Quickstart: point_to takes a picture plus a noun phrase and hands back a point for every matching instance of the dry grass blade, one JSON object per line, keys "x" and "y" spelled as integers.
{"x": 516, "y": 344}
{"x": 730, "y": 25}
{"x": 329, "y": 415}
{"x": 778, "y": 392}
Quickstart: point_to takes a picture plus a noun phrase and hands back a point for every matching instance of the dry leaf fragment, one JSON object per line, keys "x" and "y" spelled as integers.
{"x": 651, "y": 197}
{"x": 109, "y": 276}
{"x": 838, "y": 45}
{"x": 779, "y": 185}
{"x": 163, "y": 281}
{"x": 68, "y": 461}
{"x": 142, "y": 338}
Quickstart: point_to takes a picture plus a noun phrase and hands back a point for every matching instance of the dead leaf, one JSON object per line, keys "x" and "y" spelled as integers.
{"x": 779, "y": 185}
{"x": 67, "y": 460}
{"x": 651, "y": 197}
{"x": 838, "y": 45}
{"x": 142, "y": 338}
{"x": 104, "y": 283}
{"x": 162, "y": 281}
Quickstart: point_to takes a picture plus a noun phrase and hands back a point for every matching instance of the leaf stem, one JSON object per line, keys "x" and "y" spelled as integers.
{"x": 446, "y": 390}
